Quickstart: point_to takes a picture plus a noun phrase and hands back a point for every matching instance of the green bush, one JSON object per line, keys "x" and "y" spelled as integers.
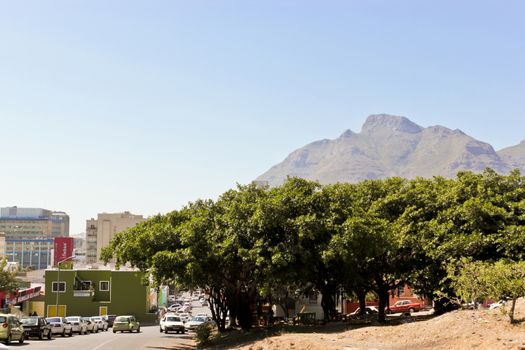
{"x": 206, "y": 333}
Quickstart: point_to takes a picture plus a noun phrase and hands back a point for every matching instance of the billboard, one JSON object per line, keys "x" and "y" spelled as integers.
{"x": 63, "y": 249}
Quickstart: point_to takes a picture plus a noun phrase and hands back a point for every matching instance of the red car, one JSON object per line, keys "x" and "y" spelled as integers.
{"x": 403, "y": 306}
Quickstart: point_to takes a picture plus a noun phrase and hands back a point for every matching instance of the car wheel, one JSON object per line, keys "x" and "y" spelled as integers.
{"x": 160, "y": 329}
{"x": 41, "y": 335}
{"x": 64, "y": 333}
{"x": 411, "y": 310}
{"x": 8, "y": 340}
{"x": 114, "y": 331}
{"x": 138, "y": 330}
{"x": 22, "y": 338}
{"x": 49, "y": 335}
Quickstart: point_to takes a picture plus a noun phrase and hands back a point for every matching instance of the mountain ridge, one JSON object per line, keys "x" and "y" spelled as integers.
{"x": 390, "y": 145}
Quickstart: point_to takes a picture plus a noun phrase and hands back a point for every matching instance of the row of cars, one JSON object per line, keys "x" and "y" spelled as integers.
{"x": 173, "y": 322}
{"x": 13, "y": 328}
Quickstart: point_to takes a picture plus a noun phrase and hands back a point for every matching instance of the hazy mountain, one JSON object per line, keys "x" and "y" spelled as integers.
{"x": 393, "y": 146}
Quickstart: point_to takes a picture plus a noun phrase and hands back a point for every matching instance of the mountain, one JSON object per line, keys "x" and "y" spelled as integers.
{"x": 389, "y": 146}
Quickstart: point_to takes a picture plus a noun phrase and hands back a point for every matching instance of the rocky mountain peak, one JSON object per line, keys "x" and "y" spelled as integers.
{"x": 391, "y": 123}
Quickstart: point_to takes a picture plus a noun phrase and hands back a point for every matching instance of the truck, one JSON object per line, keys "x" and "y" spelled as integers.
{"x": 403, "y": 306}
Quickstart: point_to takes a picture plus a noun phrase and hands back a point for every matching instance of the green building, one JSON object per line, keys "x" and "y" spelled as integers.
{"x": 98, "y": 292}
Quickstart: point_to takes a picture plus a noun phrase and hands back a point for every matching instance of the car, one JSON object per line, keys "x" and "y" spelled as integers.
{"x": 100, "y": 322}
{"x": 171, "y": 298}
{"x": 197, "y": 321}
{"x": 171, "y": 322}
{"x": 183, "y": 309}
{"x": 497, "y": 304}
{"x": 185, "y": 316}
{"x": 203, "y": 302}
{"x": 78, "y": 324}
{"x": 36, "y": 326}
{"x": 369, "y": 310}
{"x": 127, "y": 323}
{"x": 59, "y": 325}
{"x": 403, "y": 306}
{"x": 109, "y": 319}
{"x": 92, "y": 327}
{"x": 174, "y": 307}
{"x": 11, "y": 329}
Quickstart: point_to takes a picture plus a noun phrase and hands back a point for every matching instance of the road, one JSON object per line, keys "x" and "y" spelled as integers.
{"x": 148, "y": 338}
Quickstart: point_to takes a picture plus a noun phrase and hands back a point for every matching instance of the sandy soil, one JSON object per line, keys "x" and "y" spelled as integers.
{"x": 463, "y": 329}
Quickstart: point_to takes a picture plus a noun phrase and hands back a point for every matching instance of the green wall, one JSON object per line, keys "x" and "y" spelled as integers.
{"x": 126, "y": 296}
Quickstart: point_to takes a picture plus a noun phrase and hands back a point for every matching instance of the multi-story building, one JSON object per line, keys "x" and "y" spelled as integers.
{"x": 101, "y": 231}
{"x": 88, "y": 292}
{"x": 29, "y": 234}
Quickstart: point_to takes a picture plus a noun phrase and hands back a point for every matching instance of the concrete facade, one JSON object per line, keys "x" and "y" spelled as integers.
{"x": 29, "y": 234}
{"x": 101, "y": 231}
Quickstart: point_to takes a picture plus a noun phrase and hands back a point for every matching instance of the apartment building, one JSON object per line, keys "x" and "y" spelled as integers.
{"x": 100, "y": 231}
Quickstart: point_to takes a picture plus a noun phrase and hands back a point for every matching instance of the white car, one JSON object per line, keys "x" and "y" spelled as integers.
{"x": 172, "y": 323}
{"x": 196, "y": 321}
{"x": 78, "y": 324}
{"x": 100, "y": 322}
{"x": 59, "y": 325}
{"x": 497, "y": 304}
{"x": 185, "y": 316}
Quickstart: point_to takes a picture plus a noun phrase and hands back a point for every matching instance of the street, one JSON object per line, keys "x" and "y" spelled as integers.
{"x": 148, "y": 338}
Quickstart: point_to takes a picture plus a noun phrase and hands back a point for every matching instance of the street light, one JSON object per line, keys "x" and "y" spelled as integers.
{"x": 58, "y": 281}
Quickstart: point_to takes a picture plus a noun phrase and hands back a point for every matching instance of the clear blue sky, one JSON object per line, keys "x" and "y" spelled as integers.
{"x": 107, "y": 106}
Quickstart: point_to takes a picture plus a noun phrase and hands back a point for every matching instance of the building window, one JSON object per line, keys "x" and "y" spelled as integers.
{"x": 58, "y": 287}
{"x": 104, "y": 286}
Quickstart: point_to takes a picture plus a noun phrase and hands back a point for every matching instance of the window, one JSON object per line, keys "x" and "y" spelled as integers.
{"x": 58, "y": 287}
{"x": 104, "y": 286}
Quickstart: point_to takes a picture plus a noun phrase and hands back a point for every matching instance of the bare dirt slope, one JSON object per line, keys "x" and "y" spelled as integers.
{"x": 464, "y": 329}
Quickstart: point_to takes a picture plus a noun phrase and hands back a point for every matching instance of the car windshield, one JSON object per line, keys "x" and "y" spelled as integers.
{"x": 73, "y": 319}
{"x": 29, "y": 321}
{"x": 173, "y": 319}
{"x": 96, "y": 318}
{"x": 53, "y": 319}
{"x": 122, "y": 319}
{"x": 198, "y": 319}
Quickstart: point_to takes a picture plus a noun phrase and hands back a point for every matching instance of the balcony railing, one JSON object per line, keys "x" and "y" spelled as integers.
{"x": 83, "y": 293}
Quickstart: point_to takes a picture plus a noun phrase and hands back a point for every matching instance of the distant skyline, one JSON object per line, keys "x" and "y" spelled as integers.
{"x": 143, "y": 106}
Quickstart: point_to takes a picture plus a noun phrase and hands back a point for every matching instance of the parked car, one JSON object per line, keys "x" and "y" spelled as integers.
{"x": 126, "y": 323}
{"x": 197, "y": 321}
{"x": 59, "y": 325}
{"x": 92, "y": 327}
{"x": 497, "y": 304}
{"x": 11, "y": 329}
{"x": 36, "y": 326}
{"x": 79, "y": 326}
{"x": 100, "y": 322}
{"x": 369, "y": 310}
{"x": 172, "y": 323}
{"x": 109, "y": 319}
{"x": 403, "y": 306}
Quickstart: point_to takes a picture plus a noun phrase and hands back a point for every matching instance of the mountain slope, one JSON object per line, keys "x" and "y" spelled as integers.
{"x": 393, "y": 146}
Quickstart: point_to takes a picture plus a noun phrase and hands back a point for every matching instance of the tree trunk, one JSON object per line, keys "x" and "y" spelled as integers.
{"x": 383, "y": 303}
{"x": 511, "y": 312}
{"x": 361, "y": 296}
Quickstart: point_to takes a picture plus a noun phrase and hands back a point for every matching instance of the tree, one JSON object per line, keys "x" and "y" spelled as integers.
{"x": 506, "y": 280}
{"x": 8, "y": 281}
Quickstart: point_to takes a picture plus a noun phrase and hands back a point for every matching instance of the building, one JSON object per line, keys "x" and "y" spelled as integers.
{"x": 30, "y": 233}
{"x": 89, "y": 292}
{"x": 101, "y": 231}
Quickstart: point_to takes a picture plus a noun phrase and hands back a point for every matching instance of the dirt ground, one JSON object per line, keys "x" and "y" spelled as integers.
{"x": 462, "y": 329}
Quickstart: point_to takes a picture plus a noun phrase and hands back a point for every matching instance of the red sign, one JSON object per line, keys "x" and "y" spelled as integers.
{"x": 63, "y": 249}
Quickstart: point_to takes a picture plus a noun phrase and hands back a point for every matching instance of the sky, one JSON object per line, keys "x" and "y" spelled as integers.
{"x": 144, "y": 106}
